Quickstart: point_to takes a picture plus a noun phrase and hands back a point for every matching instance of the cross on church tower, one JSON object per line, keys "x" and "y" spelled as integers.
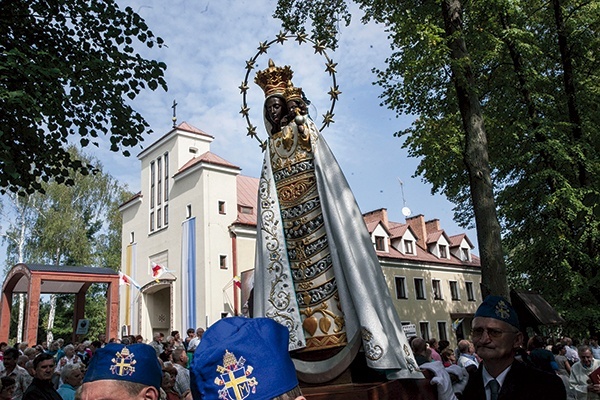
{"x": 174, "y": 107}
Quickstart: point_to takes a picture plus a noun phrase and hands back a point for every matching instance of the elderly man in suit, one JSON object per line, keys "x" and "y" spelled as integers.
{"x": 496, "y": 336}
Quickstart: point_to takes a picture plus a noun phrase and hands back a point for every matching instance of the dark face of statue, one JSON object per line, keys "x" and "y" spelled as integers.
{"x": 276, "y": 109}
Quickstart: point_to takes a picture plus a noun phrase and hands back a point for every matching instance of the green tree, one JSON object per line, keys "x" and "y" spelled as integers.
{"x": 76, "y": 225}
{"x": 531, "y": 69}
{"x": 68, "y": 69}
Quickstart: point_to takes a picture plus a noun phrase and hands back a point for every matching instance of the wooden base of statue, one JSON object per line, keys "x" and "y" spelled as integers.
{"x": 359, "y": 382}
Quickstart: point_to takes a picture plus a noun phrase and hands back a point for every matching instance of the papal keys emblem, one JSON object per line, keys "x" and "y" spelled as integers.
{"x": 123, "y": 363}
{"x": 235, "y": 377}
{"x": 502, "y": 310}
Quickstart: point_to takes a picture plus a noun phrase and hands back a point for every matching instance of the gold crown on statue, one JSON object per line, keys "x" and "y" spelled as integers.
{"x": 274, "y": 79}
{"x": 292, "y": 93}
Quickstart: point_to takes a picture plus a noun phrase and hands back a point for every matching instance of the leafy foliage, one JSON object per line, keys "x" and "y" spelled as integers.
{"x": 535, "y": 70}
{"x": 68, "y": 68}
{"x": 75, "y": 225}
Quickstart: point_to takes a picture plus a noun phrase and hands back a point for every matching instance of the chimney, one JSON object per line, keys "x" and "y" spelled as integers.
{"x": 384, "y": 218}
{"x": 432, "y": 226}
{"x": 378, "y": 215}
{"x": 417, "y": 224}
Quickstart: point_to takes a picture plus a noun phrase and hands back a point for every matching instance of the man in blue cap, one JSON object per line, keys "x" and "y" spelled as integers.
{"x": 496, "y": 336}
{"x": 123, "y": 372}
{"x": 244, "y": 358}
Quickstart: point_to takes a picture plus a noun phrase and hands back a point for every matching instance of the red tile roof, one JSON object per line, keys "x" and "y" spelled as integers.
{"x": 247, "y": 189}
{"x": 208, "y": 158}
{"x": 456, "y": 240}
{"x": 371, "y": 225}
{"x": 433, "y": 237}
{"x": 135, "y": 196}
{"x": 397, "y": 230}
{"x": 184, "y": 126}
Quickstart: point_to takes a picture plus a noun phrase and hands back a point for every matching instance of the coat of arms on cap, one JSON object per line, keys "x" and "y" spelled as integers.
{"x": 234, "y": 376}
{"x": 502, "y": 310}
{"x": 123, "y": 363}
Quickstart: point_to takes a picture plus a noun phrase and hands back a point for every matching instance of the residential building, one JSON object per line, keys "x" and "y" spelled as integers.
{"x": 193, "y": 225}
{"x": 434, "y": 279}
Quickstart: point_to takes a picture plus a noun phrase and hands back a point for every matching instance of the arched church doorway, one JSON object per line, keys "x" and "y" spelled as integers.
{"x": 156, "y": 308}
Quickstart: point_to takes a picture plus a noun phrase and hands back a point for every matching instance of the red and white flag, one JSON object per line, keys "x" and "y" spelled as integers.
{"x": 125, "y": 279}
{"x": 158, "y": 271}
{"x": 237, "y": 282}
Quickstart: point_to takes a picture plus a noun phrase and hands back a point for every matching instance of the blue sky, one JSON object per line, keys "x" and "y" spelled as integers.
{"x": 209, "y": 43}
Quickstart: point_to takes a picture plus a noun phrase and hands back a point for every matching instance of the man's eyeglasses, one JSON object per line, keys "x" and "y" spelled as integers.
{"x": 493, "y": 333}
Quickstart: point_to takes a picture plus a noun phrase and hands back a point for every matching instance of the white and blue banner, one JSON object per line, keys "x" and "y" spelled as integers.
{"x": 188, "y": 273}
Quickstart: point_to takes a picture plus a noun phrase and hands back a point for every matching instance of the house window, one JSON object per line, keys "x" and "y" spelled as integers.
{"x": 158, "y": 218}
{"x": 132, "y": 237}
{"x": 166, "y": 158}
{"x": 454, "y": 290}
{"x": 159, "y": 184}
{"x": 464, "y": 254}
{"x": 221, "y": 207}
{"x": 223, "y": 262}
{"x": 424, "y": 327}
{"x": 419, "y": 289}
{"x": 188, "y": 211}
{"x": 408, "y": 247}
{"x": 443, "y": 252}
{"x": 400, "y": 287}
{"x": 152, "y": 183}
{"x": 437, "y": 289}
{"x": 442, "y": 334}
{"x": 166, "y": 214}
{"x": 379, "y": 243}
{"x": 470, "y": 292}
{"x": 152, "y": 221}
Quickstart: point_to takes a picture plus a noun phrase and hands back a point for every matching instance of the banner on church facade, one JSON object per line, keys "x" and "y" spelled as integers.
{"x": 188, "y": 273}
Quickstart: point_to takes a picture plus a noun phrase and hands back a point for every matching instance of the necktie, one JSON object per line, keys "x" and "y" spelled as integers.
{"x": 494, "y": 389}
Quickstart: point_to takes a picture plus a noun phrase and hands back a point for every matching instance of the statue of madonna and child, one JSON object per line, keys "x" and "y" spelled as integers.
{"x": 316, "y": 268}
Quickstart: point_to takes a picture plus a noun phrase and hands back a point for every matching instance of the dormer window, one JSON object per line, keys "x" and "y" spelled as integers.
{"x": 443, "y": 251}
{"x": 409, "y": 247}
{"x": 464, "y": 252}
{"x": 379, "y": 243}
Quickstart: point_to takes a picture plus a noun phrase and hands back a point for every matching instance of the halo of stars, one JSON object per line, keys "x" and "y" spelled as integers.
{"x": 263, "y": 47}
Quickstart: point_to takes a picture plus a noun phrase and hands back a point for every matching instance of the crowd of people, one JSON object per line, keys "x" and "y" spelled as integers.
{"x": 129, "y": 368}
{"x": 245, "y": 356}
{"x": 57, "y": 371}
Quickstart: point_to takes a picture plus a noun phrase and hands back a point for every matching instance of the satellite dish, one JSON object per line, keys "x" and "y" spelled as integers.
{"x": 406, "y": 211}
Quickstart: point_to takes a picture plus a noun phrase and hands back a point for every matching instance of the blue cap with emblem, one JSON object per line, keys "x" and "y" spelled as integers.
{"x": 243, "y": 358}
{"x": 133, "y": 363}
{"x": 499, "y": 308}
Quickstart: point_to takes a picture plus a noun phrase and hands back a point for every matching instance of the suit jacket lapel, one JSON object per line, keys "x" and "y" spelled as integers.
{"x": 508, "y": 389}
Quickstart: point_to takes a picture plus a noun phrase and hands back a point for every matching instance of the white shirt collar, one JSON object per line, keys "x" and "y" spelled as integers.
{"x": 487, "y": 378}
